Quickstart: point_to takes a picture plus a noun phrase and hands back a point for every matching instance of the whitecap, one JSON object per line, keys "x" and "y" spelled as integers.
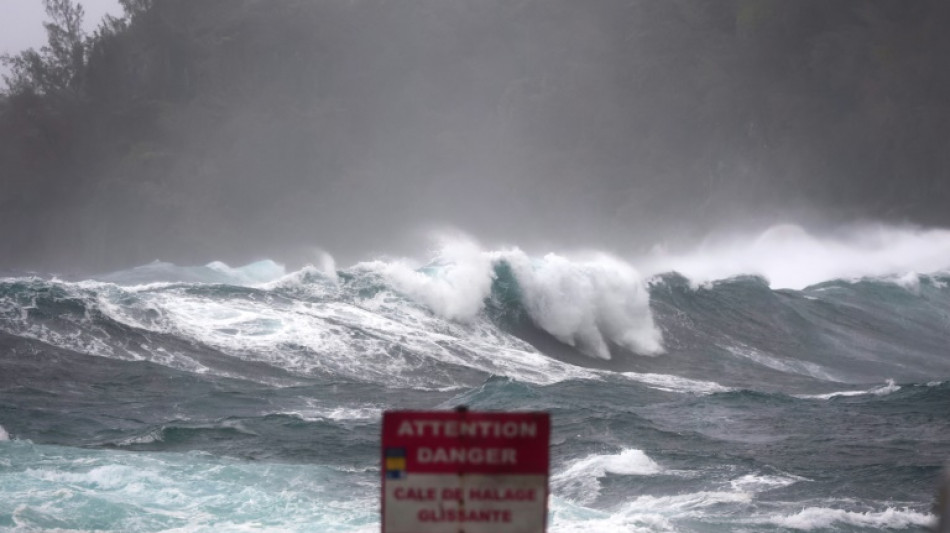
{"x": 803, "y": 368}
{"x": 888, "y": 388}
{"x": 823, "y": 517}
{"x": 569, "y": 517}
{"x": 339, "y": 413}
{"x": 580, "y": 481}
{"x": 148, "y": 438}
{"x": 684, "y": 505}
{"x": 762, "y": 483}
{"x": 670, "y": 383}
{"x": 645, "y": 513}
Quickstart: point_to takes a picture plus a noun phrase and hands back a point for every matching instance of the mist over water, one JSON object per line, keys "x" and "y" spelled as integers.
{"x": 189, "y": 133}
{"x": 790, "y": 257}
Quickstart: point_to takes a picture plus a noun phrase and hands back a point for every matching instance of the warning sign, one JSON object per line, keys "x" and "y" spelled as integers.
{"x": 464, "y": 471}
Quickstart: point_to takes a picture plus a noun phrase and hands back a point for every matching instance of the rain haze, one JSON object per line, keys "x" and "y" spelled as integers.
{"x": 709, "y": 238}
{"x": 235, "y": 131}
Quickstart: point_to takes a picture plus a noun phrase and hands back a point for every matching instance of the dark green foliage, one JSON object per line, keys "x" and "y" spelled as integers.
{"x": 184, "y": 124}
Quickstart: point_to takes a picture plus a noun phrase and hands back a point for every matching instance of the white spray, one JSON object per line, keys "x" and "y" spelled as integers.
{"x": 789, "y": 257}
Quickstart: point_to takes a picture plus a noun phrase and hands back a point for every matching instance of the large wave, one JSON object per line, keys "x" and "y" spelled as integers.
{"x": 468, "y": 312}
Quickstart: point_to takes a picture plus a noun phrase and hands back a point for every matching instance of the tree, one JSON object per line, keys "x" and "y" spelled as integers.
{"x": 58, "y": 67}
{"x": 135, "y": 8}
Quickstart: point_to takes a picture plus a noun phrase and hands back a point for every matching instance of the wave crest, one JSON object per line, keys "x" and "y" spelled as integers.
{"x": 588, "y": 304}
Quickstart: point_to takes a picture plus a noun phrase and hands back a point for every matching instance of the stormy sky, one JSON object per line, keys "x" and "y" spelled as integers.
{"x": 241, "y": 130}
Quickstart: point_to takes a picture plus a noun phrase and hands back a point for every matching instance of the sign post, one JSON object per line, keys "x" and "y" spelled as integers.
{"x": 465, "y": 472}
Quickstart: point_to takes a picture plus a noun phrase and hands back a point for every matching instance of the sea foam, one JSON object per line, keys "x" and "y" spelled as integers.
{"x": 669, "y": 383}
{"x": 380, "y": 337}
{"x": 72, "y": 489}
{"x": 812, "y": 518}
{"x": 580, "y": 480}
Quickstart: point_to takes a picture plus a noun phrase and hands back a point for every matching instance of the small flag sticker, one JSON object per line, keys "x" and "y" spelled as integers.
{"x": 395, "y": 463}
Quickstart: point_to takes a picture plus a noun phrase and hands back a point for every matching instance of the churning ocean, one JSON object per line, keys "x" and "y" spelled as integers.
{"x": 788, "y": 383}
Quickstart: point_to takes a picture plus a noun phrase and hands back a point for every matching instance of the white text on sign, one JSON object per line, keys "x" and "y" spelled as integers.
{"x": 461, "y": 429}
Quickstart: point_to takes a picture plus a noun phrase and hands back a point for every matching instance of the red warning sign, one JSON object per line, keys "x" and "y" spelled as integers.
{"x": 465, "y": 471}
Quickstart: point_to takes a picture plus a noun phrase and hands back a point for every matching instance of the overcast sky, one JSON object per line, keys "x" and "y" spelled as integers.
{"x": 21, "y": 21}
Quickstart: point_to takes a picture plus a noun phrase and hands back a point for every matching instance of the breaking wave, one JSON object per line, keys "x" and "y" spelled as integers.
{"x": 536, "y": 319}
{"x": 580, "y": 480}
